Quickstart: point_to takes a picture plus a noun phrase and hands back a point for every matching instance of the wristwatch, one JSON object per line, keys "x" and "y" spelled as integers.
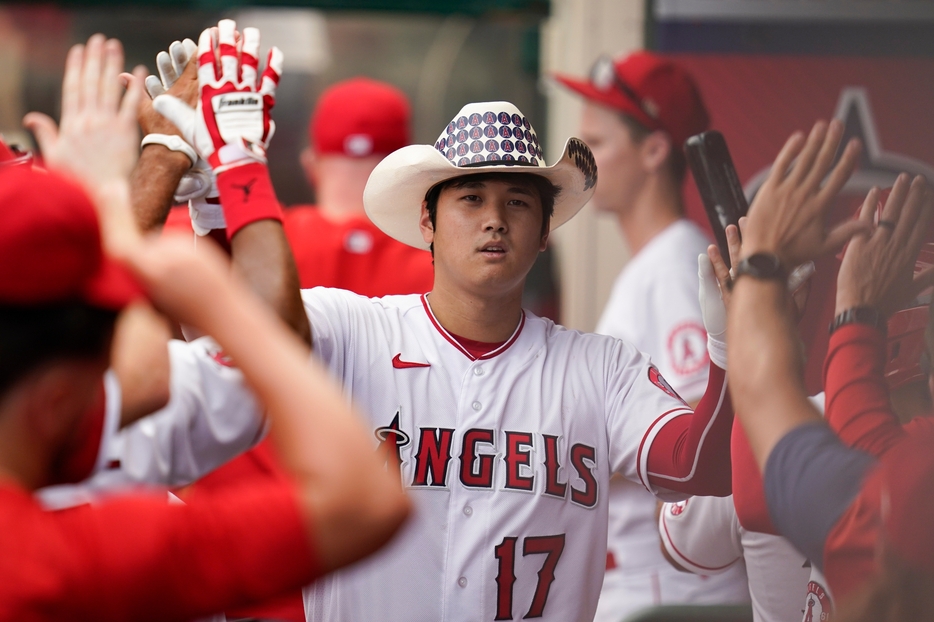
{"x": 860, "y": 315}
{"x": 763, "y": 266}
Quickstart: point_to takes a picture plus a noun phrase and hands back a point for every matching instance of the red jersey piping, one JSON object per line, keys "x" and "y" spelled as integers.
{"x": 462, "y": 349}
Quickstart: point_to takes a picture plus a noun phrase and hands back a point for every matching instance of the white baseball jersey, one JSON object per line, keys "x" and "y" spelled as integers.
{"x": 210, "y": 418}
{"x": 654, "y": 306}
{"x": 703, "y": 535}
{"x": 506, "y": 458}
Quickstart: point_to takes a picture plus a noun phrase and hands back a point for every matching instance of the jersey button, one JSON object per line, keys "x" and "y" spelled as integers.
{"x": 462, "y": 582}
{"x": 468, "y": 510}
{"x": 477, "y": 405}
{"x": 478, "y": 371}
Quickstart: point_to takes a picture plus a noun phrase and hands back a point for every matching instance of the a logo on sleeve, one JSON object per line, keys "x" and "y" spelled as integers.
{"x": 676, "y": 509}
{"x": 818, "y": 606}
{"x": 656, "y": 378}
{"x": 687, "y": 348}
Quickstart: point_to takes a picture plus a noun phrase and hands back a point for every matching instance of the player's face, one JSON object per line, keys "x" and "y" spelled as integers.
{"x": 486, "y": 236}
{"x": 618, "y": 158}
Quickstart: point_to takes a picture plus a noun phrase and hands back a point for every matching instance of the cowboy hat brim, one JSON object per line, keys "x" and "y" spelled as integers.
{"x": 397, "y": 187}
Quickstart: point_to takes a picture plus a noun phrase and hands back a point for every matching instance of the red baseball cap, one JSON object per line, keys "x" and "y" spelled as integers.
{"x": 360, "y": 117}
{"x": 649, "y": 88}
{"x": 50, "y": 245}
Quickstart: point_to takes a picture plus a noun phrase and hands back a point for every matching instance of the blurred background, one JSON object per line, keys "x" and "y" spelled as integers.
{"x": 765, "y": 68}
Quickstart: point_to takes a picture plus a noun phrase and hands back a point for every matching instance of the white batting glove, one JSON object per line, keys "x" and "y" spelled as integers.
{"x": 199, "y": 188}
{"x": 231, "y": 125}
{"x": 170, "y": 65}
{"x": 713, "y": 311}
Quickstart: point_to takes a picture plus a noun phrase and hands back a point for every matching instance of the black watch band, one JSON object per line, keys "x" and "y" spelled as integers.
{"x": 860, "y": 315}
{"x": 763, "y": 266}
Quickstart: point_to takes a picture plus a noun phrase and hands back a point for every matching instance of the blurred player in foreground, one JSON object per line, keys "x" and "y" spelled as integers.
{"x": 638, "y": 111}
{"x": 139, "y": 558}
{"x": 865, "y": 520}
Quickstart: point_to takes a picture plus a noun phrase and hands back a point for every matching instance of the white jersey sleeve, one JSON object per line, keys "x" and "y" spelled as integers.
{"x": 701, "y": 534}
{"x": 211, "y": 417}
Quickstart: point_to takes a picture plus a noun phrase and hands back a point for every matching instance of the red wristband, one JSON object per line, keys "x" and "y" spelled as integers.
{"x": 247, "y": 196}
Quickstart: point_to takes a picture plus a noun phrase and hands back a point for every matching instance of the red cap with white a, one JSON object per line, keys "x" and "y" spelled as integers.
{"x": 651, "y": 89}
{"x": 50, "y": 245}
{"x": 360, "y": 117}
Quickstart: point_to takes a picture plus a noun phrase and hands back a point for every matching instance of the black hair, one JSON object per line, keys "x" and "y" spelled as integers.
{"x": 546, "y": 191}
{"x": 34, "y": 335}
{"x": 676, "y": 162}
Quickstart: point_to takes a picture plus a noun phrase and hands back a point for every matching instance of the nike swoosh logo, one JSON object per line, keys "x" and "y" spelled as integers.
{"x": 398, "y": 363}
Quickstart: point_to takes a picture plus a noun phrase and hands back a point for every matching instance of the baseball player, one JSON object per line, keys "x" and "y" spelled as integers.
{"x": 506, "y": 427}
{"x": 354, "y": 125}
{"x": 638, "y": 111}
{"x": 139, "y": 558}
{"x": 202, "y": 414}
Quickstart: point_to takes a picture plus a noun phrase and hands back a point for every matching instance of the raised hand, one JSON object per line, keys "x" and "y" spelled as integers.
{"x": 98, "y": 141}
{"x": 787, "y": 216}
{"x": 231, "y": 125}
{"x": 878, "y": 265}
{"x": 178, "y": 76}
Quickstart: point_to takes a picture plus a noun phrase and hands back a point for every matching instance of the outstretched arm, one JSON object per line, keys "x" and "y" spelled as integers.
{"x": 348, "y": 502}
{"x": 877, "y": 274}
{"x": 786, "y": 220}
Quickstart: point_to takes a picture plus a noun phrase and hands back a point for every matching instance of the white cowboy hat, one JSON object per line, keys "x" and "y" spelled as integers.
{"x": 484, "y": 137}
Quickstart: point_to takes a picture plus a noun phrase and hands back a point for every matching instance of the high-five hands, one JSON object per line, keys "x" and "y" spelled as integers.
{"x": 231, "y": 125}
{"x": 878, "y": 265}
{"x": 97, "y": 142}
{"x": 787, "y": 216}
{"x": 178, "y": 76}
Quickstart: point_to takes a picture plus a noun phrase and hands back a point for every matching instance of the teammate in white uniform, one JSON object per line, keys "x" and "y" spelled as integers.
{"x": 703, "y": 536}
{"x": 638, "y": 112}
{"x": 507, "y": 427}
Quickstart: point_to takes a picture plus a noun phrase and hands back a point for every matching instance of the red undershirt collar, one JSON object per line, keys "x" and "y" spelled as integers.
{"x": 477, "y": 348}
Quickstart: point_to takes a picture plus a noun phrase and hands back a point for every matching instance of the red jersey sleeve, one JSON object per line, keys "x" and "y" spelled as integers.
{"x": 748, "y": 489}
{"x": 143, "y": 559}
{"x": 857, "y": 398}
{"x": 691, "y": 454}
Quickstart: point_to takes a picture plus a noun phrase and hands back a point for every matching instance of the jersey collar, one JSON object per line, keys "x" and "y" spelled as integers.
{"x": 460, "y": 348}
